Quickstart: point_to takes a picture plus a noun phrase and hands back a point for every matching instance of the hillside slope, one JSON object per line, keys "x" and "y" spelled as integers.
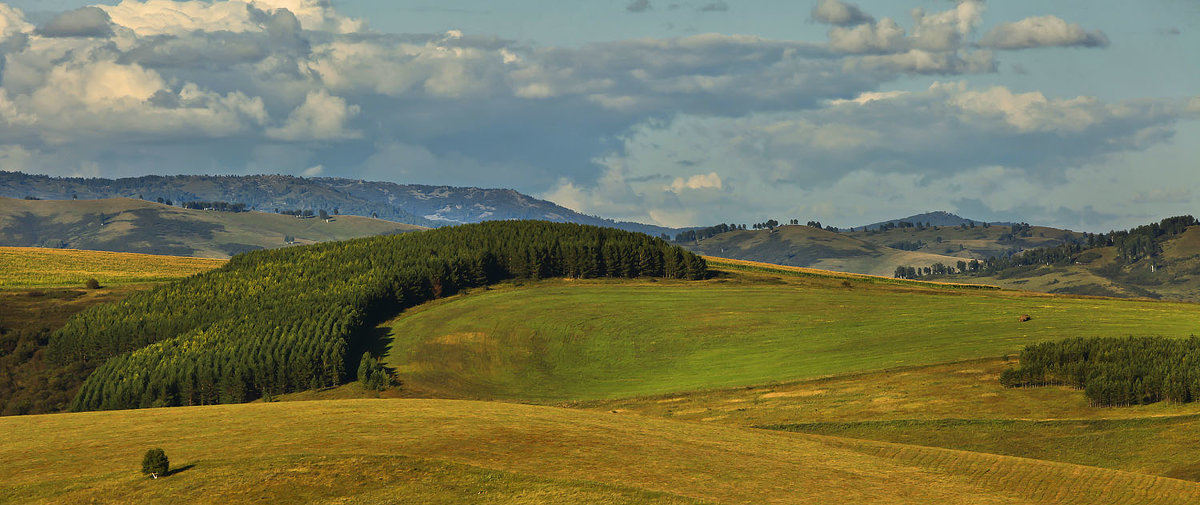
{"x": 805, "y": 246}
{"x": 1171, "y": 274}
{"x": 404, "y": 203}
{"x": 439, "y": 451}
{"x": 575, "y": 340}
{"x": 968, "y": 243}
{"x": 139, "y": 226}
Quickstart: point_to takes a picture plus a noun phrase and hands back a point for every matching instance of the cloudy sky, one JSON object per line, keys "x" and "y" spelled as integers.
{"x": 1082, "y": 114}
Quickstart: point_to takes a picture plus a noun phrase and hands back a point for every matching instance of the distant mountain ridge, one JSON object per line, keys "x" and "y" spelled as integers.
{"x": 936, "y": 218}
{"x": 421, "y": 205}
{"x": 139, "y": 226}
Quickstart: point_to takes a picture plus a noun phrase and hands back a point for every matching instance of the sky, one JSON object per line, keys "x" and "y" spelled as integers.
{"x": 1078, "y": 114}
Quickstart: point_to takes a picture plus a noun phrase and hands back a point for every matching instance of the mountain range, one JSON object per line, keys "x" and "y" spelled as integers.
{"x": 429, "y": 206}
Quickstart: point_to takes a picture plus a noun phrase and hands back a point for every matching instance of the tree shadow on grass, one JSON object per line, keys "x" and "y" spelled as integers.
{"x": 179, "y": 469}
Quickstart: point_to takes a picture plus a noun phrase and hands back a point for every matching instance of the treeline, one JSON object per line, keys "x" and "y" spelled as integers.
{"x": 1131, "y": 245}
{"x": 218, "y": 206}
{"x": 711, "y": 231}
{"x": 1114, "y": 371}
{"x": 284, "y": 320}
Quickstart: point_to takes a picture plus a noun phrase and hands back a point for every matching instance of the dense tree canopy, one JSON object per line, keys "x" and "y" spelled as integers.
{"x": 283, "y": 320}
{"x": 1114, "y": 371}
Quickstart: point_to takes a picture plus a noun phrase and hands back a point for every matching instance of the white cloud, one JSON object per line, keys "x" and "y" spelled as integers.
{"x": 699, "y": 181}
{"x": 885, "y": 36}
{"x": 159, "y": 17}
{"x": 12, "y": 22}
{"x": 321, "y": 117}
{"x": 1043, "y": 31}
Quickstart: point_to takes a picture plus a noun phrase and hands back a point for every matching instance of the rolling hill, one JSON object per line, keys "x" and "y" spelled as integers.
{"x": 429, "y": 206}
{"x": 139, "y": 226}
{"x": 1172, "y": 272}
{"x": 969, "y": 242}
{"x": 935, "y": 218}
{"x": 760, "y": 384}
{"x": 441, "y": 451}
{"x": 805, "y": 246}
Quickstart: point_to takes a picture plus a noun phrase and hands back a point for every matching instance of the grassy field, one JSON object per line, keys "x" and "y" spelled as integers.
{"x": 29, "y": 267}
{"x": 955, "y": 405}
{"x": 960, "y": 390}
{"x": 1166, "y": 446}
{"x": 877, "y": 390}
{"x": 580, "y": 340}
{"x": 439, "y": 451}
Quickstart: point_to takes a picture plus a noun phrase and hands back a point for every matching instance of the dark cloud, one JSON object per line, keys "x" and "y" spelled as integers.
{"x": 82, "y": 22}
{"x": 718, "y": 6}
{"x": 839, "y": 13}
{"x": 638, "y": 6}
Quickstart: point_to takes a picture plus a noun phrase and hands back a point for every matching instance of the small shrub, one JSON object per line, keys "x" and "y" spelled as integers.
{"x": 92, "y": 283}
{"x": 1023, "y": 318}
{"x": 155, "y": 463}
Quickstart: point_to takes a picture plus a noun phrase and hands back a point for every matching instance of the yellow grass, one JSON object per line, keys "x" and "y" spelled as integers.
{"x": 960, "y": 390}
{"x": 399, "y": 451}
{"x": 25, "y": 267}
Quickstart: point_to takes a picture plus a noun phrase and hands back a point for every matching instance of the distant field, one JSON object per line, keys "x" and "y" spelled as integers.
{"x": 586, "y": 340}
{"x": 438, "y": 451}
{"x": 1166, "y": 446}
{"x": 25, "y": 267}
{"x": 957, "y": 406}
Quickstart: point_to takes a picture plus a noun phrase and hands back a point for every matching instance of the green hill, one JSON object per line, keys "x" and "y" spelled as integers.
{"x": 139, "y": 226}
{"x": 575, "y": 340}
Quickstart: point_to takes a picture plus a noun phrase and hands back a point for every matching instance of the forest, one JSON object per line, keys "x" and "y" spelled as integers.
{"x": 284, "y": 320}
{"x": 1131, "y": 245}
{"x": 1114, "y": 371}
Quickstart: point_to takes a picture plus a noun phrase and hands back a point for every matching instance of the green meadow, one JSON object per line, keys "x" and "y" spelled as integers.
{"x": 565, "y": 340}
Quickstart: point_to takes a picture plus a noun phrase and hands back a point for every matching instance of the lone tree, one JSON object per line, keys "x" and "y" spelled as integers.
{"x": 92, "y": 283}
{"x": 155, "y": 463}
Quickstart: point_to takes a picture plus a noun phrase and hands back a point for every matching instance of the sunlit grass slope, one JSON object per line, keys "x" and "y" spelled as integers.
{"x": 439, "y": 451}
{"x": 562, "y": 340}
{"x": 23, "y": 267}
{"x": 957, "y": 405}
{"x": 1167, "y": 446}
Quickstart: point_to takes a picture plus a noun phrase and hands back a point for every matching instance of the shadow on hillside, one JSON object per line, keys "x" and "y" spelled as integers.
{"x": 180, "y": 469}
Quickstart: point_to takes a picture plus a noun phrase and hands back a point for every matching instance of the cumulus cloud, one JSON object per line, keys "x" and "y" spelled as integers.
{"x": 1042, "y": 31}
{"x": 699, "y": 181}
{"x": 864, "y": 157}
{"x": 320, "y": 117}
{"x": 82, "y": 22}
{"x": 12, "y": 22}
{"x": 644, "y": 129}
{"x": 839, "y": 13}
{"x": 171, "y": 17}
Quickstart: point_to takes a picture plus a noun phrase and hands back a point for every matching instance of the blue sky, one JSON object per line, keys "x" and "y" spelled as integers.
{"x": 1077, "y": 114}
